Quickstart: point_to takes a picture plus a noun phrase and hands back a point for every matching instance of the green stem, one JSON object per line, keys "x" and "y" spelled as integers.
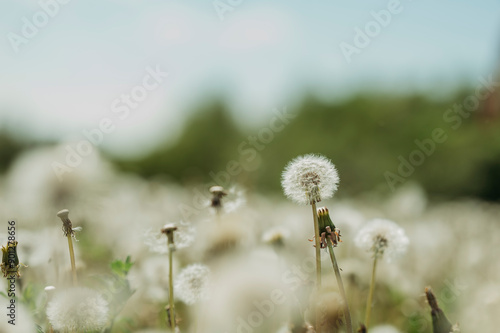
{"x": 72, "y": 258}
{"x": 370, "y": 294}
{"x": 171, "y": 289}
{"x": 318, "y": 264}
{"x": 347, "y": 313}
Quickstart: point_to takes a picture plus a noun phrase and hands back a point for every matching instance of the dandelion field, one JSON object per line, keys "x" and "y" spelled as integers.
{"x": 231, "y": 166}
{"x": 246, "y": 265}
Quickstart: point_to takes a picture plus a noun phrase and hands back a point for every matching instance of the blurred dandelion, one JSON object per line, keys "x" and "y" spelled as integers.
{"x": 383, "y": 238}
{"x": 69, "y": 232}
{"x": 192, "y": 284}
{"x": 276, "y": 236}
{"x": 234, "y": 198}
{"x": 78, "y": 309}
{"x": 384, "y": 329}
{"x": 184, "y": 237}
{"x": 440, "y": 324}
{"x": 218, "y": 193}
{"x": 168, "y": 230}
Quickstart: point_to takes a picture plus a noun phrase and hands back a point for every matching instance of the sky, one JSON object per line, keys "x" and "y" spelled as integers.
{"x": 66, "y": 65}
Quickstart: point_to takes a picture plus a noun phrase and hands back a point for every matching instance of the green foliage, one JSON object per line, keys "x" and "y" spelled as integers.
{"x": 116, "y": 290}
{"x": 9, "y": 149}
{"x": 364, "y": 136}
{"x": 121, "y": 268}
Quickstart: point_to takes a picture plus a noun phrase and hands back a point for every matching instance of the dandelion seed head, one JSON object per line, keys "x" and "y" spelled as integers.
{"x": 184, "y": 237}
{"x": 81, "y": 309}
{"x": 309, "y": 178}
{"x": 192, "y": 284}
{"x": 276, "y": 236}
{"x": 383, "y": 238}
{"x": 384, "y": 329}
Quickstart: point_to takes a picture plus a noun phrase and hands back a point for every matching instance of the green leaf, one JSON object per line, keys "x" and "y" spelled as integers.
{"x": 121, "y": 268}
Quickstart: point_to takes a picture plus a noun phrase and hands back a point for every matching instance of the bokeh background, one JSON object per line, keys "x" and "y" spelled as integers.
{"x": 125, "y": 111}
{"x": 230, "y": 66}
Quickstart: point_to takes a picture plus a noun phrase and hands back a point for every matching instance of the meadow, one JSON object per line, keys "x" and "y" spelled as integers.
{"x": 241, "y": 261}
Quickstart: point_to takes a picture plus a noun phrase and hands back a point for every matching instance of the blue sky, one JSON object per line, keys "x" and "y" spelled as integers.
{"x": 264, "y": 54}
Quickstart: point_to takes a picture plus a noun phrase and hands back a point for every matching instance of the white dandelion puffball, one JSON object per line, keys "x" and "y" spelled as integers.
{"x": 184, "y": 236}
{"x": 384, "y": 238}
{"x": 276, "y": 235}
{"x": 78, "y": 309}
{"x": 192, "y": 284}
{"x": 384, "y": 329}
{"x": 309, "y": 178}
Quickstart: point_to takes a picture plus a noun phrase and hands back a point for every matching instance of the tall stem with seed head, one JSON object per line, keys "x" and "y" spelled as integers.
{"x": 370, "y": 294}
{"x": 168, "y": 230}
{"x": 308, "y": 179}
{"x": 69, "y": 233}
{"x": 336, "y": 269}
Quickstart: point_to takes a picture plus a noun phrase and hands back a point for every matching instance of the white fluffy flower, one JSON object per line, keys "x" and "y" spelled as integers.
{"x": 384, "y": 238}
{"x": 384, "y": 329}
{"x": 191, "y": 284}
{"x": 309, "y": 178}
{"x": 276, "y": 235}
{"x": 183, "y": 237}
{"x": 78, "y": 309}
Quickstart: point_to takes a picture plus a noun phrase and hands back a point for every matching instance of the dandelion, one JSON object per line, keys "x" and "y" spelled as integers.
{"x": 276, "y": 236}
{"x": 169, "y": 229}
{"x": 217, "y": 193}
{"x": 192, "y": 284}
{"x": 385, "y": 239}
{"x": 384, "y": 329}
{"x": 69, "y": 232}
{"x": 78, "y": 309}
{"x": 307, "y": 180}
{"x": 184, "y": 237}
{"x": 233, "y": 199}
{"x": 440, "y": 324}
{"x": 10, "y": 262}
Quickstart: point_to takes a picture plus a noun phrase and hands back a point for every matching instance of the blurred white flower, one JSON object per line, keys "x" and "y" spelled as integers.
{"x": 32, "y": 182}
{"x": 225, "y": 201}
{"x": 192, "y": 284}
{"x": 384, "y": 329}
{"x": 234, "y": 200}
{"x": 408, "y": 201}
{"x": 384, "y": 238}
{"x": 150, "y": 277}
{"x": 78, "y": 309}
{"x": 276, "y": 236}
{"x": 309, "y": 178}
{"x": 156, "y": 242}
{"x": 238, "y": 284}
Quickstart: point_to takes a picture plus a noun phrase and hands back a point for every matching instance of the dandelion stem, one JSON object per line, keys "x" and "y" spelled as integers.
{"x": 318, "y": 248}
{"x": 370, "y": 294}
{"x": 318, "y": 261}
{"x": 171, "y": 288}
{"x": 72, "y": 258}
{"x": 336, "y": 269}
